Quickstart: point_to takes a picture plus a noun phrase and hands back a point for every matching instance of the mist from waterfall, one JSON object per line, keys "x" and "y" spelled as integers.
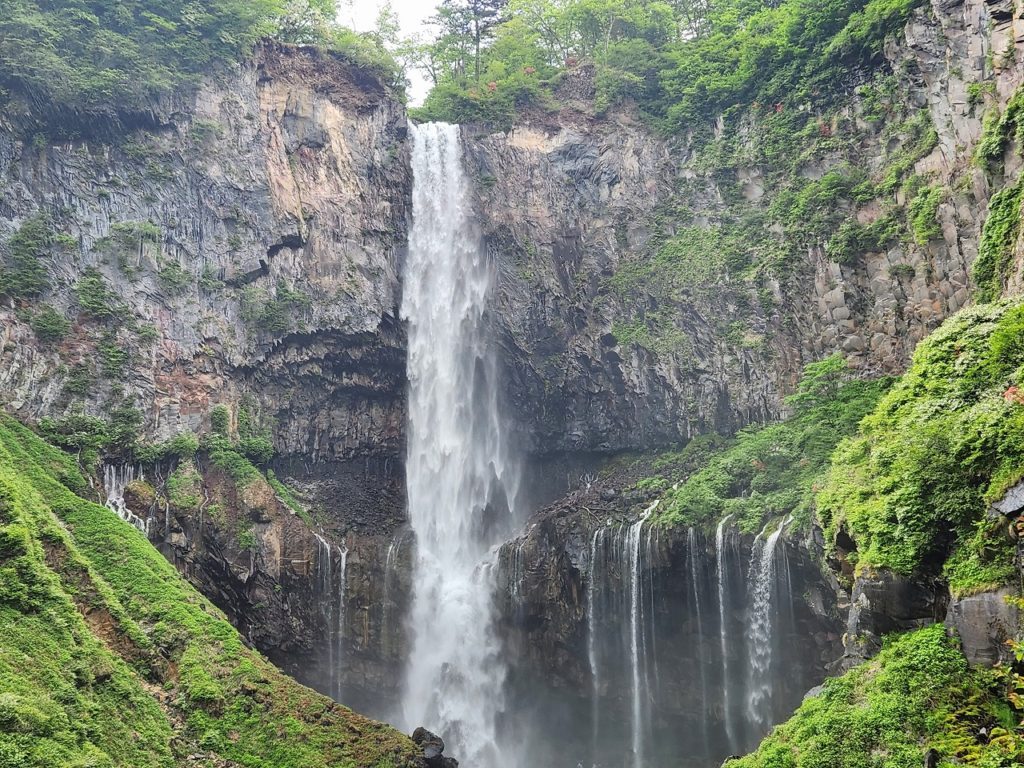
{"x": 461, "y": 475}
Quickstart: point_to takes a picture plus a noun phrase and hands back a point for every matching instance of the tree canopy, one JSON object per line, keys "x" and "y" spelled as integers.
{"x": 682, "y": 61}
{"x": 108, "y": 56}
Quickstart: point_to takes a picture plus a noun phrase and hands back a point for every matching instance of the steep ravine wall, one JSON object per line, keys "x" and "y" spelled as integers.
{"x": 281, "y": 191}
{"x": 569, "y": 201}
{"x": 248, "y": 245}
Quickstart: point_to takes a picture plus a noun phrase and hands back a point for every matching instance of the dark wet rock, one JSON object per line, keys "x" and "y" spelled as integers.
{"x": 984, "y": 622}
{"x": 883, "y": 601}
{"x": 433, "y": 749}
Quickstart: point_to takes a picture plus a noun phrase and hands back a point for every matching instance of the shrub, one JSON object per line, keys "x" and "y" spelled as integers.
{"x": 50, "y": 325}
{"x": 95, "y": 297}
{"x": 912, "y": 485}
{"x": 923, "y": 215}
{"x": 26, "y": 274}
{"x": 174, "y": 278}
{"x": 220, "y": 420}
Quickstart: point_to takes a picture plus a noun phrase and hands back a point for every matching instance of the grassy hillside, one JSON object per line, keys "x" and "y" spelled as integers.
{"x": 108, "y": 658}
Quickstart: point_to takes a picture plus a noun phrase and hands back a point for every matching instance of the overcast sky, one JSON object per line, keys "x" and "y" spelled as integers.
{"x": 362, "y": 15}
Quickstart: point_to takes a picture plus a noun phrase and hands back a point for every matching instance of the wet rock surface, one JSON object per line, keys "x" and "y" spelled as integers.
{"x": 984, "y": 623}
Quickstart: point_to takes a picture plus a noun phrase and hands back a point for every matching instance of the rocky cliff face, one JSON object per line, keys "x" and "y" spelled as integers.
{"x": 245, "y": 247}
{"x": 248, "y": 244}
{"x": 573, "y": 205}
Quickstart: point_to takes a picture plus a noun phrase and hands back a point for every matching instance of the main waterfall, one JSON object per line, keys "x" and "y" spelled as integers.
{"x": 461, "y": 476}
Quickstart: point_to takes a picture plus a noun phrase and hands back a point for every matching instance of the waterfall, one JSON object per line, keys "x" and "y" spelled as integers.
{"x": 339, "y": 632}
{"x": 640, "y": 687}
{"x": 595, "y": 670}
{"x": 722, "y": 573}
{"x": 760, "y": 628}
{"x": 460, "y": 474}
{"x": 115, "y": 479}
{"x": 695, "y": 578}
{"x": 390, "y": 571}
{"x": 331, "y": 600}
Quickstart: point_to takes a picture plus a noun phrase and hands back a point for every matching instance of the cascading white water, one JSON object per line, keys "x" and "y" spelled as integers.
{"x": 595, "y": 669}
{"x": 115, "y": 479}
{"x": 332, "y": 608}
{"x": 636, "y": 636}
{"x": 760, "y": 629}
{"x": 722, "y": 574}
{"x": 390, "y": 571}
{"x": 337, "y": 672}
{"x": 697, "y": 583}
{"x": 460, "y": 473}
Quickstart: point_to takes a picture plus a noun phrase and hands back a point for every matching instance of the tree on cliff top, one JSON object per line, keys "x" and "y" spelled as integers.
{"x": 103, "y": 57}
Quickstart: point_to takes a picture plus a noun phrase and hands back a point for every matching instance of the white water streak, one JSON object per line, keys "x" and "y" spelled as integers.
{"x": 115, "y": 479}
{"x": 636, "y": 618}
{"x": 760, "y": 632}
{"x": 723, "y": 620}
{"x": 460, "y": 474}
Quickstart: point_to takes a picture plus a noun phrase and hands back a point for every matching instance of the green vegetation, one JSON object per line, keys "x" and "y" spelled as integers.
{"x": 998, "y": 240}
{"x": 78, "y": 691}
{"x": 50, "y": 325}
{"x": 24, "y": 273}
{"x": 683, "y": 62}
{"x": 945, "y": 441}
{"x": 285, "y": 494}
{"x": 923, "y": 215}
{"x": 94, "y": 58}
{"x": 275, "y": 315}
{"x": 175, "y": 279}
{"x": 95, "y": 297}
{"x": 918, "y": 694}
{"x": 766, "y": 472}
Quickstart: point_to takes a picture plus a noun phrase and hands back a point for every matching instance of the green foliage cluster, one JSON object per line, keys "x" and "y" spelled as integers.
{"x": 75, "y": 691}
{"x": 96, "y": 58}
{"x": 49, "y": 324}
{"x": 923, "y": 214}
{"x": 184, "y": 487}
{"x": 683, "y": 62}
{"x": 175, "y": 279}
{"x": 274, "y": 315}
{"x": 917, "y": 694}
{"x": 24, "y": 273}
{"x": 998, "y": 240}
{"x": 999, "y": 128}
{"x": 88, "y": 436}
{"x": 95, "y": 297}
{"x": 769, "y": 471}
{"x": 913, "y": 485}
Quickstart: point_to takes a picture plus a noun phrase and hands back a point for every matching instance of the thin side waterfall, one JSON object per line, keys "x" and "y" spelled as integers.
{"x": 722, "y": 573}
{"x": 461, "y": 475}
{"x": 592, "y": 639}
{"x": 331, "y": 599}
{"x": 115, "y": 480}
{"x": 760, "y": 631}
{"x": 639, "y": 692}
{"x": 697, "y": 581}
{"x": 339, "y": 632}
{"x": 390, "y": 571}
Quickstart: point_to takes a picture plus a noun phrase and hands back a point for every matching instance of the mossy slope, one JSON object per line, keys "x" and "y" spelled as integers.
{"x": 917, "y": 695}
{"x": 108, "y": 658}
{"x": 912, "y": 486}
